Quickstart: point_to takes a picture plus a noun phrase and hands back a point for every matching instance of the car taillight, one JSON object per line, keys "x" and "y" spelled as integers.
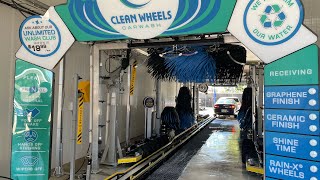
{"x": 232, "y": 106}
{"x": 216, "y": 106}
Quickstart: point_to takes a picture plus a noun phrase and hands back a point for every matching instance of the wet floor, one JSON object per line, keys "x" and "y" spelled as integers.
{"x": 219, "y": 157}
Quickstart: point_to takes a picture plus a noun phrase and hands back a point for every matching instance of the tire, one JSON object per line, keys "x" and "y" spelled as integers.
{"x": 244, "y": 151}
{"x": 247, "y": 150}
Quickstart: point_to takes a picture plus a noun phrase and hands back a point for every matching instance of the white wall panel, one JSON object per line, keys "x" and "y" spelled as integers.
{"x": 10, "y": 21}
{"x": 77, "y": 61}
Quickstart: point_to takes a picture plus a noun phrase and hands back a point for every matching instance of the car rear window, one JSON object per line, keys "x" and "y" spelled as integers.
{"x": 235, "y": 99}
{"x": 225, "y": 101}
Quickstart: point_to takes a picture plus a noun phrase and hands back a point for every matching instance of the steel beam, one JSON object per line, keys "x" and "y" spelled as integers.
{"x": 59, "y": 144}
{"x": 95, "y": 79}
{"x": 74, "y": 128}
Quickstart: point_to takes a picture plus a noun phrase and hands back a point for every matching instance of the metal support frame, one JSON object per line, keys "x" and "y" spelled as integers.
{"x": 74, "y": 127}
{"x": 254, "y": 87}
{"x": 128, "y": 108}
{"x": 59, "y": 144}
{"x": 158, "y": 107}
{"x": 260, "y": 102}
{"x": 94, "y": 99}
{"x": 112, "y": 138}
{"x": 94, "y": 107}
{"x": 197, "y": 99}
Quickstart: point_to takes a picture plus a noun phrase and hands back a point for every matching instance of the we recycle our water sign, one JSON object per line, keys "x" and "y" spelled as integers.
{"x": 292, "y": 136}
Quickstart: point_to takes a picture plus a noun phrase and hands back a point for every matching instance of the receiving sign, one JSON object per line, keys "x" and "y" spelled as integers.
{"x": 293, "y": 145}
{"x": 292, "y": 97}
{"x": 45, "y": 39}
{"x": 287, "y": 168}
{"x": 292, "y": 121}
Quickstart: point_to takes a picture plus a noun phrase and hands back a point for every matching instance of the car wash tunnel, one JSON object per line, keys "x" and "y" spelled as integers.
{"x": 159, "y": 90}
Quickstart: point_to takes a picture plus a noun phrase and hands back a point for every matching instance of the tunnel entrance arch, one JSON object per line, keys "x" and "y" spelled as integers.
{"x": 273, "y": 31}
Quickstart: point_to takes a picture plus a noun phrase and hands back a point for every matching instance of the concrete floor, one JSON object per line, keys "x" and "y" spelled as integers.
{"x": 219, "y": 157}
{"x": 216, "y": 157}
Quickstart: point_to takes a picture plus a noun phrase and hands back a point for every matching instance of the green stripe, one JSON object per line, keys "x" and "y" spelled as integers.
{"x": 96, "y": 16}
{"x": 204, "y": 15}
{"x": 186, "y": 8}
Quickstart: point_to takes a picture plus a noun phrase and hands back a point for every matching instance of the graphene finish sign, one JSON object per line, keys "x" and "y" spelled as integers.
{"x": 292, "y": 97}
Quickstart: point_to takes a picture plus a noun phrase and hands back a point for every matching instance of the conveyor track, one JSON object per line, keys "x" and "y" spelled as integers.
{"x": 146, "y": 165}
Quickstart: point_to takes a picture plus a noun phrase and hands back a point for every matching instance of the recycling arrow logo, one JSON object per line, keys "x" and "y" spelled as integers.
{"x": 273, "y": 17}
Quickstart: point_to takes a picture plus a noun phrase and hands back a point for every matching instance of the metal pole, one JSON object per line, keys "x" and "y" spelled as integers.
{"x": 128, "y": 108}
{"x": 88, "y": 173}
{"x": 197, "y": 99}
{"x": 74, "y": 126}
{"x": 112, "y": 139}
{"x": 158, "y": 107}
{"x": 59, "y": 143}
{"x": 95, "y": 108}
{"x": 254, "y": 98}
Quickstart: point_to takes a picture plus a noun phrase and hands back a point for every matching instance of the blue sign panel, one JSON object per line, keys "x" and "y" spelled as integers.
{"x": 292, "y": 121}
{"x": 292, "y": 97}
{"x": 287, "y": 168}
{"x": 293, "y": 145}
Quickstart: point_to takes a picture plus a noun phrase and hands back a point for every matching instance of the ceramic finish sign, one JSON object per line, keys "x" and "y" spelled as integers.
{"x": 40, "y": 36}
{"x": 31, "y": 138}
{"x": 292, "y": 121}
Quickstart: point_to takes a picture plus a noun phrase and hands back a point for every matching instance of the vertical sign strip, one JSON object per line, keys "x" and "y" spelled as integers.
{"x": 133, "y": 77}
{"x": 80, "y": 118}
{"x": 31, "y": 132}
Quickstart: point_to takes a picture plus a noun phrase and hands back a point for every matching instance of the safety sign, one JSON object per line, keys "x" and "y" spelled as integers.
{"x": 292, "y": 97}
{"x": 292, "y": 121}
{"x": 31, "y": 136}
{"x": 288, "y": 168}
{"x": 293, "y": 145}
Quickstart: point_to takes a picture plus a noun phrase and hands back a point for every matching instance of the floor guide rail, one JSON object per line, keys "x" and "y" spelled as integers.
{"x": 146, "y": 165}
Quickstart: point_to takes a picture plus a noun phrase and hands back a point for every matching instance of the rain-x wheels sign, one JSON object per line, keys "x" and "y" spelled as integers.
{"x": 31, "y": 134}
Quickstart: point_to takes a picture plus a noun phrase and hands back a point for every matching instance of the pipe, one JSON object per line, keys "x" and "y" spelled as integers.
{"x": 128, "y": 108}
{"x": 59, "y": 144}
{"x": 74, "y": 128}
{"x": 158, "y": 107}
{"x": 112, "y": 139}
{"x": 91, "y": 95}
{"x": 89, "y": 165}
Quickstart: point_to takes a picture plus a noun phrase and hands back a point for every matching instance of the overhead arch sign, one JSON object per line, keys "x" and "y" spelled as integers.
{"x": 272, "y": 29}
